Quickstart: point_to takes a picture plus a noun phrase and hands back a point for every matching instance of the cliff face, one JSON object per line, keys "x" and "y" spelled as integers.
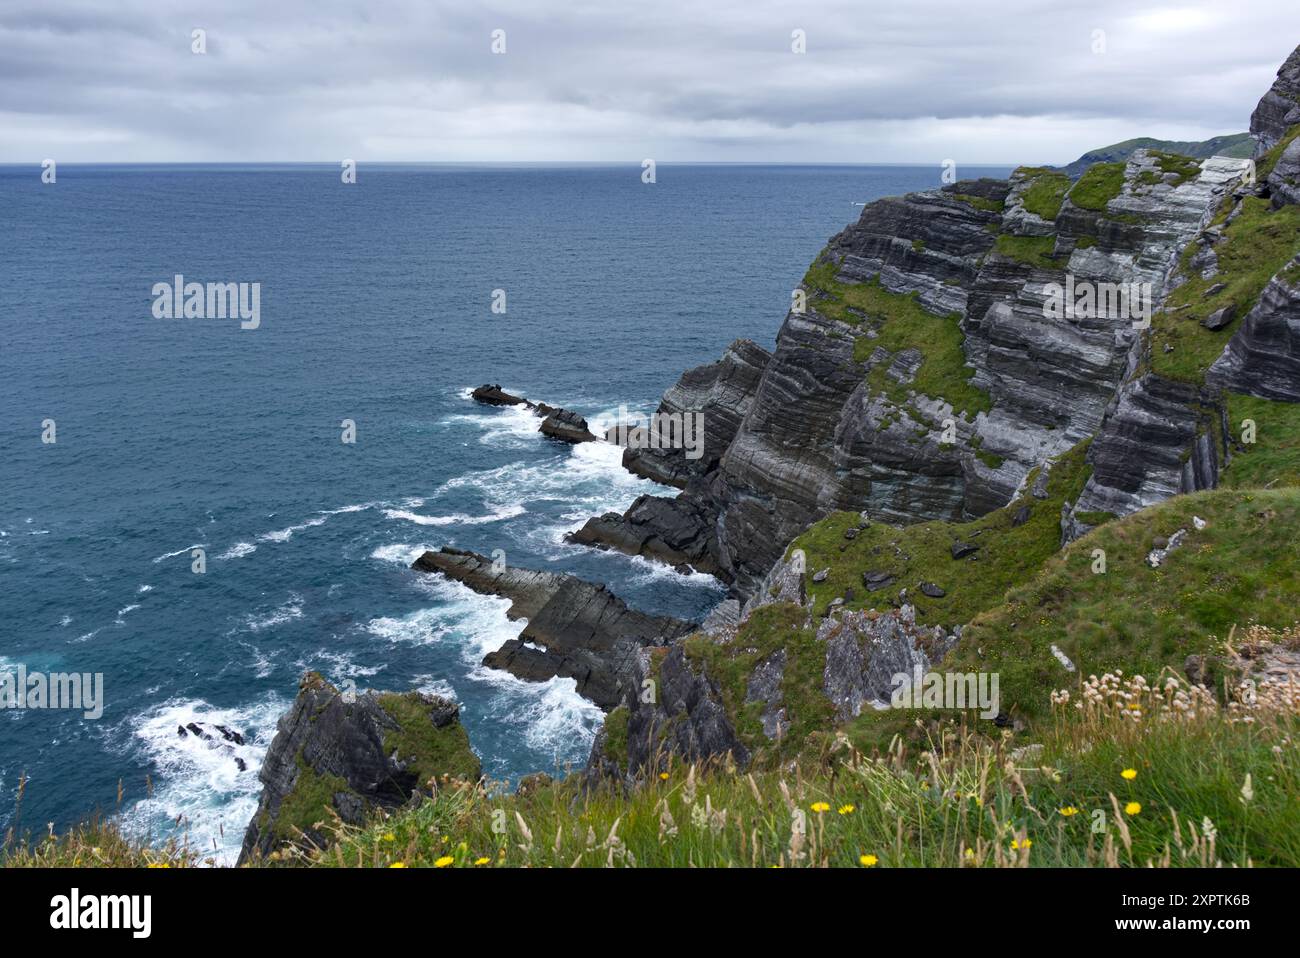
{"x": 925, "y": 378}
{"x": 1279, "y": 109}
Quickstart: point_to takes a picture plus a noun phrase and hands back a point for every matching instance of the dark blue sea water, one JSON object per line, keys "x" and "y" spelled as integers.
{"x": 375, "y": 307}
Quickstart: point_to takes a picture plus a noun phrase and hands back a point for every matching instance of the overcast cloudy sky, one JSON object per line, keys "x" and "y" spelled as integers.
{"x": 882, "y": 80}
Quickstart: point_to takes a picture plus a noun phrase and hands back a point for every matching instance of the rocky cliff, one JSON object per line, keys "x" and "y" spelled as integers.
{"x": 925, "y": 377}
{"x": 346, "y": 754}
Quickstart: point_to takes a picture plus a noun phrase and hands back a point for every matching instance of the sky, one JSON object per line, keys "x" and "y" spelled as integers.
{"x": 916, "y": 81}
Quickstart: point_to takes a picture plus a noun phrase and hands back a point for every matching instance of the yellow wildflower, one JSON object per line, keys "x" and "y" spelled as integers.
{"x": 1069, "y": 810}
{"x": 1132, "y": 808}
{"x": 481, "y": 861}
{"x": 397, "y": 865}
{"x": 846, "y": 809}
{"x": 867, "y": 860}
{"x": 443, "y": 862}
{"x": 1129, "y": 773}
{"x": 820, "y": 807}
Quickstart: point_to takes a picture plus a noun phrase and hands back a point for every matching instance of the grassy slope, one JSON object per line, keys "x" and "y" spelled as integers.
{"x": 1240, "y": 568}
{"x": 1273, "y": 459}
{"x": 1258, "y": 243}
{"x": 922, "y": 552}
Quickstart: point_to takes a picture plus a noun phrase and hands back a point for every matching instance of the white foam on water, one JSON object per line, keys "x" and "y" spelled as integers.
{"x": 342, "y": 510}
{"x": 198, "y": 781}
{"x": 121, "y": 613}
{"x": 145, "y": 588}
{"x": 336, "y": 665}
{"x": 187, "y": 549}
{"x": 457, "y": 519}
{"x": 647, "y": 571}
{"x": 238, "y": 551}
{"x": 263, "y": 663}
{"x": 550, "y": 716}
{"x": 286, "y": 612}
{"x": 510, "y": 426}
{"x": 401, "y": 553}
{"x": 431, "y": 685}
{"x": 285, "y": 534}
{"x": 66, "y": 620}
{"x": 422, "y": 627}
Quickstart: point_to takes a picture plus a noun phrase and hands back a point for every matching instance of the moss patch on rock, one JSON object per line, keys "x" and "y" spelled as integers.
{"x": 429, "y": 751}
{"x": 900, "y": 322}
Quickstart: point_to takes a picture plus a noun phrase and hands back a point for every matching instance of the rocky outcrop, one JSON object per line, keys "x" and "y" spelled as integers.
{"x": 866, "y": 650}
{"x": 682, "y": 718}
{"x": 346, "y": 754}
{"x": 557, "y": 423}
{"x": 576, "y": 629}
{"x": 564, "y": 425}
{"x": 1263, "y": 358}
{"x": 1279, "y": 109}
{"x": 1159, "y": 439}
{"x": 721, "y": 393}
{"x": 678, "y": 532}
{"x": 493, "y": 395}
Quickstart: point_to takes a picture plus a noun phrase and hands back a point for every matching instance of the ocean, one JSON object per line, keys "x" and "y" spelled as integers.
{"x": 376, "y": 307}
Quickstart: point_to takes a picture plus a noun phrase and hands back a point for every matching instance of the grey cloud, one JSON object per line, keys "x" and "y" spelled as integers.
{"x": 316, "y": 79}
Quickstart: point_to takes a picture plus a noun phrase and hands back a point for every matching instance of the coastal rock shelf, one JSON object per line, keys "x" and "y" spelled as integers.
{"x": 576, "y": 629}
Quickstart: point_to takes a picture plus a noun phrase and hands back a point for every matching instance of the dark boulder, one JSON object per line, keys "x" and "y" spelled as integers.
{"x": 494, "y": 395}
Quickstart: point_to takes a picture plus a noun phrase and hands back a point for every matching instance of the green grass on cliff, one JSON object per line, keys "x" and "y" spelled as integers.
{"x": 1240, "y": 568}
{"x": 1098, "y": 186}
{"x": 980, "y": 202}
{"x": 1033, "y": 251}
{"x": 1008, "y": 554}
{"x": 1256, "y": 245}
{"x": 429, "y": 751}
{"x": 900, "y": 322}
{"x": 1269, "y": 160}
{"x": 955, "y": 799}
{"x": 1046, "y": 193}
{"x": 1183, "y": 168}
{"x": 1273, "y": 459}
{"x": 307, "y": 805}
{"x": 768, "y": 630}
